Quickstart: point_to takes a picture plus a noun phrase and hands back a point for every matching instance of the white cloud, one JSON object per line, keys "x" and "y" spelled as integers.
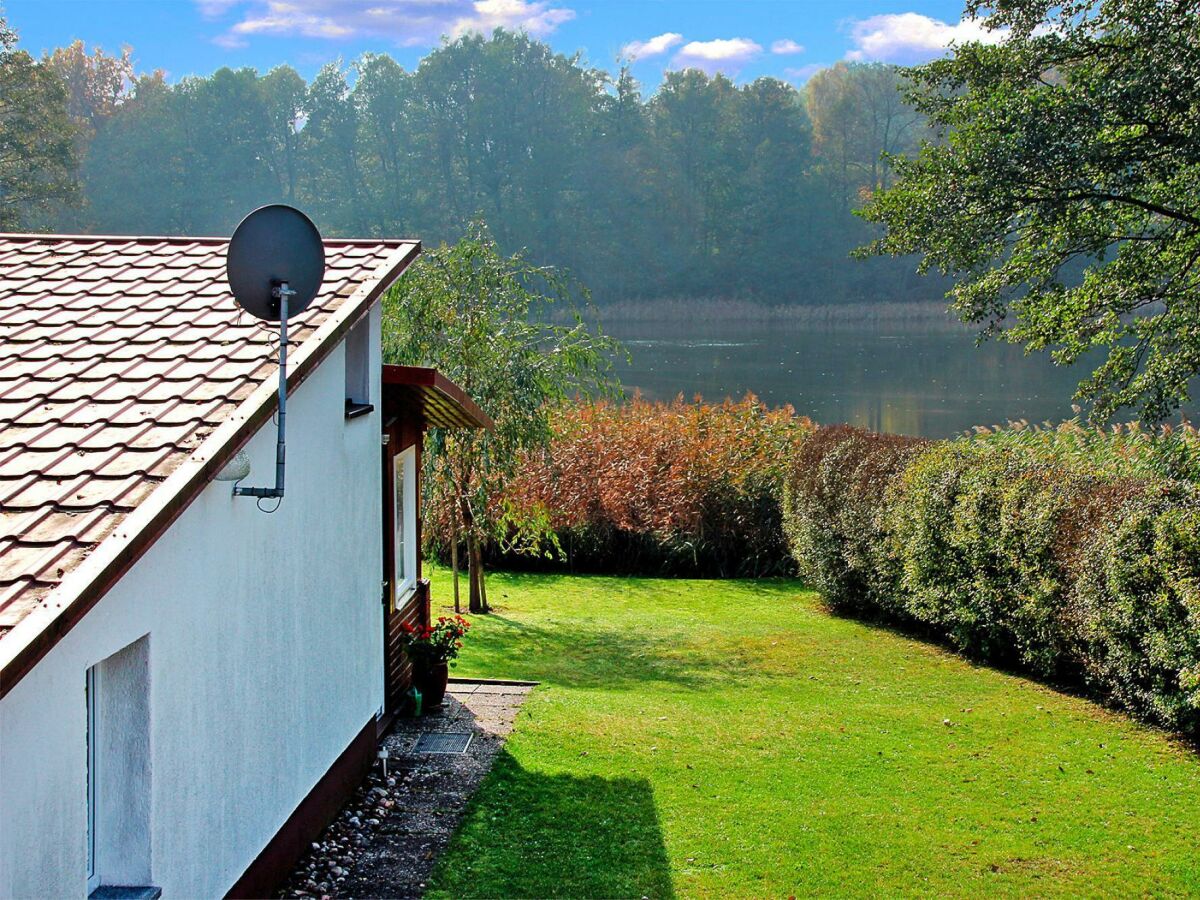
{"x": 786, "y": 47}
{"x": 911, "y": 37}
{"x": 655, "y": 46}
{"x": 230, "y": 41}
{"x": 292, "y": 18}
{"x": 726, "y": 55}
{"x": 803, "y": 73}
{"x": 211, "y": 9}
{"x": 537, "y": 18}
{"x": 408, "y": 22}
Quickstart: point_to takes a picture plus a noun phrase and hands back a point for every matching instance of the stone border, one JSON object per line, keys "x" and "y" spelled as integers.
{"x": 387, "y": 840}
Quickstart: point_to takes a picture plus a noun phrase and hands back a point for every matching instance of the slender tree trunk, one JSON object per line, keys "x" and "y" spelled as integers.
{"x": 475, "y": 600}
{"x": 454, "y": 552}
{"x": 483, "y": 601}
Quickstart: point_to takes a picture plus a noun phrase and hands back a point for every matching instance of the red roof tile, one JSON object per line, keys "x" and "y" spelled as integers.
{"x": 118, "y": 357}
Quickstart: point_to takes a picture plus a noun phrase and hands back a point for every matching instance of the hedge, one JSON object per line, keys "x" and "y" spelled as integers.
{"x": 833, "y": 514}
{"x": 1012, "y": 555}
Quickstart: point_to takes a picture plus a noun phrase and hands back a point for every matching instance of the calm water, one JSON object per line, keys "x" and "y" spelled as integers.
{"x": 910, "y": 379}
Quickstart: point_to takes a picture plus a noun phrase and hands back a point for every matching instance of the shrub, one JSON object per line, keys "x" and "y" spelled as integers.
{"x": 1137, "y": 602}
{"x": 1015, "y": 549}
{"x": 975, "y": 531}
{"x": 1129, "y": 450}
{"x": 834, "y": 511}
{"x": 663, "y": 488}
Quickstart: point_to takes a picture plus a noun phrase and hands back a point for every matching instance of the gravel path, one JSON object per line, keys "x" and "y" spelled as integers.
{"x": 388, "y": 838}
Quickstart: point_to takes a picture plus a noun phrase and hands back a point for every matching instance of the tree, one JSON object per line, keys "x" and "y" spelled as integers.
{"x": 702, "y": 189}
{"x": 507, "y": 122}
{"x": 477, "y": 316}
{"x": 38, "y": 154}
{"x": 1063, "y": 190}
{"x": 283, "y": 97}
{"x": 774, "y": 143}
{"x": 859, "y": 120}
{"x": 330, "y": 141}
{"x": 610, "y": 194}
{"x": 95, "y": 83}
{"x": 232, "y": 139}
{"x": 138, "y": 167}
{"x": 693, "y": 122}
{"x": 382, "y": 95}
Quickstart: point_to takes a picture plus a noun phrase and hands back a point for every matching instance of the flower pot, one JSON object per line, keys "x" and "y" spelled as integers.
{"x": 431, "y": 679}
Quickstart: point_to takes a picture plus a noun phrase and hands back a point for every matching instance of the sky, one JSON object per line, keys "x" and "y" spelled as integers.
{"x": 745, "y": 39}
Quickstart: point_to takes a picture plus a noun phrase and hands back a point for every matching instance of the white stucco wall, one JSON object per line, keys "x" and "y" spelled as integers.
{"x": 265, "y": 660}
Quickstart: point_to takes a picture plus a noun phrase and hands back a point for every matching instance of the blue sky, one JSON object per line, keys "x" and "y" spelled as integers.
{"x": 743, "y": 38}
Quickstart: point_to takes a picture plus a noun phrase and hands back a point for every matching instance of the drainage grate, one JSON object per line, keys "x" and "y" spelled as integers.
{"x": 443, "y": 742}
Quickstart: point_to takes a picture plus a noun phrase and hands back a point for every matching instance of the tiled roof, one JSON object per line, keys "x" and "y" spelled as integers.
{"x": 118, "y": 357}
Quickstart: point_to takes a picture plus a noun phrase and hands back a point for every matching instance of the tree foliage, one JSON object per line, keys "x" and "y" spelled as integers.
{"x": 479, "y": 317}
{"x": 38, "y": 160}
{"x": 702, "y": 188}
{"x": 1063, "y": 190}
{"x": 95, "y": 83}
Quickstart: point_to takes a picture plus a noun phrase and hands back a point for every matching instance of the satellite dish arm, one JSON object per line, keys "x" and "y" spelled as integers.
{"x": 282, "y": 291}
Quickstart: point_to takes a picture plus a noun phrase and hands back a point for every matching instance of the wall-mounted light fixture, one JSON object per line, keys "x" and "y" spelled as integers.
{"x": 236, "y": 469}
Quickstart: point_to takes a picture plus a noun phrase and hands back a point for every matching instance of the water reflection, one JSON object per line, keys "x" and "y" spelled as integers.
{"x": 921, "y": 379}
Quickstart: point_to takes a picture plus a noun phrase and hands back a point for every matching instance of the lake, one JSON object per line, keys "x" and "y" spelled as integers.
{"x": 920, "y": 378}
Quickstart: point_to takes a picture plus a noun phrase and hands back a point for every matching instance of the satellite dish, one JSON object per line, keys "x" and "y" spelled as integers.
{"x": 275, "y": 264}
{"x": 273, "y": 246}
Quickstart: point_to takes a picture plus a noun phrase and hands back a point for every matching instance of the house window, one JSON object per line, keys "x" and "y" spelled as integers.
{"x": 358, "y": 370}
{"x": 405, "y": 518}
{"x": 118, "y": 769}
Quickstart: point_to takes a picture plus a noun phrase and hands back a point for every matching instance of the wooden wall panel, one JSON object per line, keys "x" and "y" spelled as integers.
{"x": 415, "y": 612}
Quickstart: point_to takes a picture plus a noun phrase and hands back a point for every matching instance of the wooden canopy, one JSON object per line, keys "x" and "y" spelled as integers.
{"x": 439, "y": 401}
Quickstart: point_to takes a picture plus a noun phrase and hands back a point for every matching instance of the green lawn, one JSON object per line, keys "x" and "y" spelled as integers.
{"x": 704, "y": 738}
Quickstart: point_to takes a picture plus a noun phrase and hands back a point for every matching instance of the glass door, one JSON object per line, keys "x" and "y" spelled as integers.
{"x": 405, "y": 519}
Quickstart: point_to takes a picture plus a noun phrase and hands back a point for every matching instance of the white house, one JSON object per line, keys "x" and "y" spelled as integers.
{"x": 189, "y": 683}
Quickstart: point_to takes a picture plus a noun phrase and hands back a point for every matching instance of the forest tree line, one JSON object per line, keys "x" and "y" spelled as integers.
{"x": 701, "y": 188}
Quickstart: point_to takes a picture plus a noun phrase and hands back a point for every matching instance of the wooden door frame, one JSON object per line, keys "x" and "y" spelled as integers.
{"x": 403, "y": 431}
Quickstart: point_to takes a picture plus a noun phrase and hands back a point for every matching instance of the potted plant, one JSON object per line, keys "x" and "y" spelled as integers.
{"x": 432, "y": 649}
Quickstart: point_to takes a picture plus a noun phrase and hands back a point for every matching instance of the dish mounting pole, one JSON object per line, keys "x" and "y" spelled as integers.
{"x": 282, "y": 292}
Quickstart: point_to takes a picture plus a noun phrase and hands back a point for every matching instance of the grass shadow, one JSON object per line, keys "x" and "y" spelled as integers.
{"x": 503, "y": 580}
{"x": 516, "y": 579}
{"x": 588, "y": 657}
{"x": 681, "y": 645}
{"x": 529, "y": 834}
{"x": 1068, "y": 683}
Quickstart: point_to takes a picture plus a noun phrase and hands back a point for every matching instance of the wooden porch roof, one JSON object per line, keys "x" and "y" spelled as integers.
{"x": 440, "y": 402}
